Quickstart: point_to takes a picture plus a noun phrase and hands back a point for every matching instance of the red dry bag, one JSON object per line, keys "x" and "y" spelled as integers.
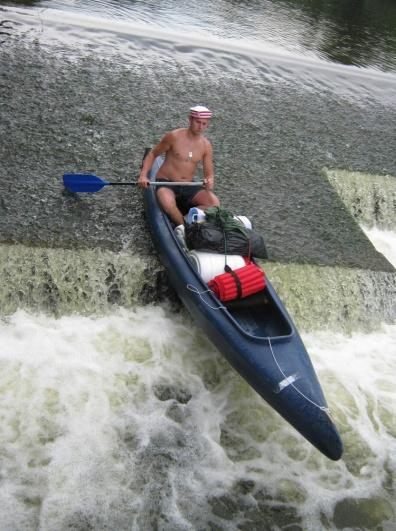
{"x": 238, "y": 283}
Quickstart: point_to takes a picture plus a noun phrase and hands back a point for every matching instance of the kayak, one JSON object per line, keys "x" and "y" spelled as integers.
{"x": 255, "y": 334}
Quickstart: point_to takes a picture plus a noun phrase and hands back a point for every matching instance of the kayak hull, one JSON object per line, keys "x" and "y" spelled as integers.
{"x": 255, "y": 335}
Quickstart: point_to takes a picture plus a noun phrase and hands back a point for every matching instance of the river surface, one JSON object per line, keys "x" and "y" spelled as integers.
{"x": 115, "y": 411}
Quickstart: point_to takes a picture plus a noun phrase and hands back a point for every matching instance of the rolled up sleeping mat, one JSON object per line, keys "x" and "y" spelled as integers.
{"x": 209, "y": 265}
{"x": 245, "y": 221}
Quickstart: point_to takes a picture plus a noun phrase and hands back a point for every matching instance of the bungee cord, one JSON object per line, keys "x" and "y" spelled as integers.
{"x": 194, "y": 289}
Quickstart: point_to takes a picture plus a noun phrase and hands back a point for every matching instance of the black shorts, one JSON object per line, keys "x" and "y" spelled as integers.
{"x": 184, "y": 195}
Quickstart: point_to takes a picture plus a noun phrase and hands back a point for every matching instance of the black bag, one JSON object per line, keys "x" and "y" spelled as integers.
{"x": 213, "y": 239}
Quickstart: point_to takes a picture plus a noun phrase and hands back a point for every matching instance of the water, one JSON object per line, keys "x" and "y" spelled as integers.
{"x": 106, "y": 424}
{"x": 359, "y": 33}
{"x": 384, "y": 241}
{"x": 116, "y": 412}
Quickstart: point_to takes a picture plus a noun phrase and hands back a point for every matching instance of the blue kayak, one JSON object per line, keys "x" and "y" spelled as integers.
{"x": 255, "y": 334}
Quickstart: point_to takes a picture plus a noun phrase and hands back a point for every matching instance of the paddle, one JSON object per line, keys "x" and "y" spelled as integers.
{"x": 85, "y": 182}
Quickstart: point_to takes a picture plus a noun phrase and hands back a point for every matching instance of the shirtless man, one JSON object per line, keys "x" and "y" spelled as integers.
{"x": 184, "y": 149}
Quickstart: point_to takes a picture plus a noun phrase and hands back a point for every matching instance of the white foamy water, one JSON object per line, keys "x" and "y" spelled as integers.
{"x": 82, "y": 429}
{"x": 134, "y": 420}
{"x": 384, "y": 241}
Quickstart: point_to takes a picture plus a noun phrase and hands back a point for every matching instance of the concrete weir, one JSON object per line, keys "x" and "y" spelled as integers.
{"x": 95, "y": 115}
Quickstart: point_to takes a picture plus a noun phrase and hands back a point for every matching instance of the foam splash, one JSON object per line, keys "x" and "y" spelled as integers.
{"x": 384, "y": 241}
{"x": 107, "y": 424}
{"x": 97, "y": 414}
{"x": 134, "y": 419}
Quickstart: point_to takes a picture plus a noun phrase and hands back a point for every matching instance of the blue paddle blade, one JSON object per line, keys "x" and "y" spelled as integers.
{"x": 83, "y": 182}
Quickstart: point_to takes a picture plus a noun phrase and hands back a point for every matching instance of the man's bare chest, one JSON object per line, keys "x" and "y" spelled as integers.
{"x": 187, "y": 151}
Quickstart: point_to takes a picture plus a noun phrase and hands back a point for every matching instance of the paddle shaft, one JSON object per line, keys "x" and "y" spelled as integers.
{"x": 160, "y": 183}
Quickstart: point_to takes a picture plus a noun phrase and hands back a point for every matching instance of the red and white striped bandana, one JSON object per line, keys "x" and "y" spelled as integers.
{"x": 200, "y": 112}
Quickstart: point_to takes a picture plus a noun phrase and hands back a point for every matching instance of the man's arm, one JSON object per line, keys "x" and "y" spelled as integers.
{"x": 162, "y": 147}
{"x": 208, "y": 170}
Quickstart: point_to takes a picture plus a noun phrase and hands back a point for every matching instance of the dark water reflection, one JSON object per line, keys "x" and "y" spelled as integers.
{"x": 353, "y": 32}
{"x": 358, "y": 32}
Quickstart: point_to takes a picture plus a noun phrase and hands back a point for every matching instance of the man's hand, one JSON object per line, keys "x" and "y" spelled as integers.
{"x": 208, "y": 183}
{"x": 143, "y": 182}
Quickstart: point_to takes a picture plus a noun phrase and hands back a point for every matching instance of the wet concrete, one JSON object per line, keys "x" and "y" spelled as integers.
{"x": 271, "y": 142}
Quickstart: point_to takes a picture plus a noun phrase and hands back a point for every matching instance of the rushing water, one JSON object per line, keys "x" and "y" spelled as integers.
{"x": 115, "y": 411}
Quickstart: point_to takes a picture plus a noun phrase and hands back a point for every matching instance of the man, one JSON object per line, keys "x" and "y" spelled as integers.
{"x": 183, "y": 148}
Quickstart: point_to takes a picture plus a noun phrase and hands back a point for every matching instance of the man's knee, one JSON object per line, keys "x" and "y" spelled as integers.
{"x": 206, "y": 199}
{"x": 215, "y": 200}
{"x": 166, "y": 197}
{"x": 211, "y": 200}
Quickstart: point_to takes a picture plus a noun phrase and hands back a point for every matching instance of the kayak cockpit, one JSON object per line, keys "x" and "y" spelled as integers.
{"x": 259, "y": 316}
